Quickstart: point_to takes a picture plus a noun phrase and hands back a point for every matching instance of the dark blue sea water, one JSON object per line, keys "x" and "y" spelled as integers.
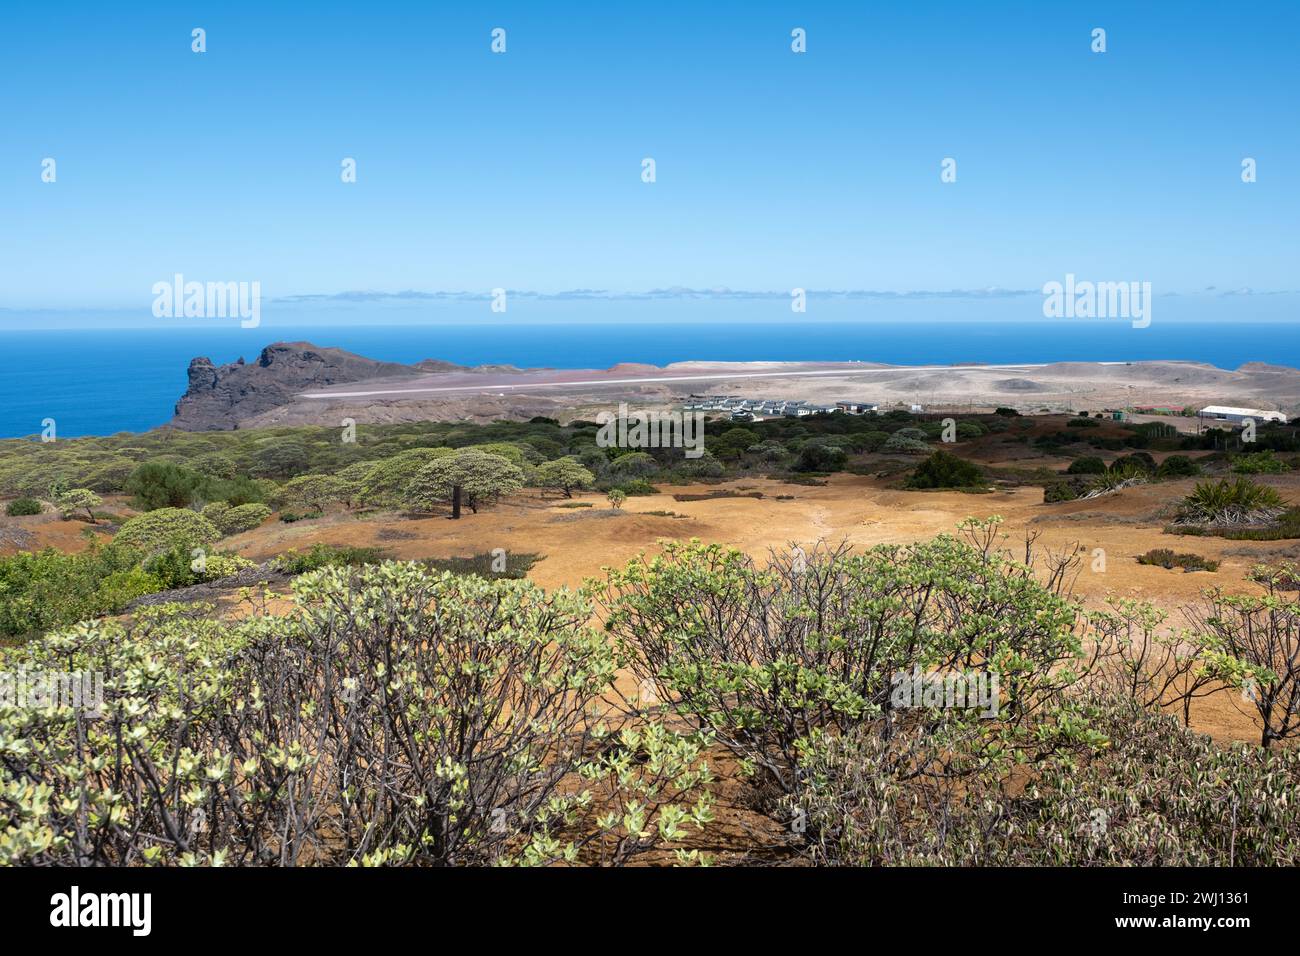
{"x": 104, "y": 381}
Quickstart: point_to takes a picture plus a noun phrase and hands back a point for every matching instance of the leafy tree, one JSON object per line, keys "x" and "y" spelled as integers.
{"x": 705, "y": 466}
{"x": 314, "y": 491}
{"x": 111, "y": 475}
{"x": 280, "y": 458}
{"x": 901, "y": 444}
{"x": 564, "y": 475}
{"x": 78, "y": 499}
{"x": 389, "y": 480}
{"x": 469, "y": 477}
{"x": 215, "y": 465}
{"x": 815, "y": 456}
{"x": 162, "y": 484}
{"x": 634, "y": 464}
{"x": 351, "y": 480}
{"x": 944, "y": 470}
{"x": 616, "y": 497}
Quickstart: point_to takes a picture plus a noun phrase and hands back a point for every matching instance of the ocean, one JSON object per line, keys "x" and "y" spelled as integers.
{"x": 97, "y": 382}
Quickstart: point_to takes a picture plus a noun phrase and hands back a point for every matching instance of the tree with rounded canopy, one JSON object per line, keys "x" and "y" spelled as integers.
{"x": 389, "y": 480}
{"x": 315, "y": 491}
{"x": 469, "y": 477}
{"x": 163, "y": 484}
{"x": 564, "y": 475}
{"x": 166, "y": 528}
{"x": 635, "y": 464}
{"x": 75, "y": 499}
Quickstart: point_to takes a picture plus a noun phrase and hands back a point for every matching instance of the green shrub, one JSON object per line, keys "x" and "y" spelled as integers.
{"x": 815, "y": 456}
{"x": 1230, "y": 502}
{"x": 705, "y": 466}
{"x": 1165, "y": 558}
{"x": 243, "y": 518}
{"x": 23, "y": 506}
{"x": 1088, "y": 465}
{"x": 944, "y": 470}
{"x": 1067, "y": 489}
{"x": 1139, "y": 797}
{"x": 162, "y": 484}
{"x": 503, "y": 565}
{"x": 48, "y": 588}
{"x": 327, "y": 556}
{"x": 638, "y": 487}
{"x": 166, "y": 528}
{"x": 1258, "y": 463}
{"x": 508, "y": 751}
{"x": 903, "y": 445}
{"x": 1178, "y": 466}
{"x": 834, "y": 630}
{"x": 1138, "y": 461}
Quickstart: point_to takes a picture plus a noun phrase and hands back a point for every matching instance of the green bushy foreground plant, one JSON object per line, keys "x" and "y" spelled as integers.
{"x": 1157, "y": 795}
{"x": 395, "y": 716}
{"x": 789, "y": 666}
{"x": 764, "y": 656}
{"x": 47, "y": 589}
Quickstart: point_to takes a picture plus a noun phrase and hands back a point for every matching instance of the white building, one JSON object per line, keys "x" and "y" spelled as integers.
{"x": 1227, "y": 413}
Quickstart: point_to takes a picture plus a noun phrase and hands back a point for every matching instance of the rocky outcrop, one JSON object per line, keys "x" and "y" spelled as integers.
{"x": 220, "y": 397}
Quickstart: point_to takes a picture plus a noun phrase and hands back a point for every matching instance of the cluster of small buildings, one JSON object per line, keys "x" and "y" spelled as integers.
{"x": 750, "y": 409}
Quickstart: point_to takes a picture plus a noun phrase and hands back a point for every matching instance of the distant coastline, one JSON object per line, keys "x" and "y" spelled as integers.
{"x": 129, "y": 380}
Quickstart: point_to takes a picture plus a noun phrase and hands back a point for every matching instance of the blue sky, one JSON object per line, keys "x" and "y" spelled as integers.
{"x": 522, "y": 170}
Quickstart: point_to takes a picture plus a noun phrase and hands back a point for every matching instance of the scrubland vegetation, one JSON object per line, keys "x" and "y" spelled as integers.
{"x": 397, "y": 714}
{"x": 451, "y": 712}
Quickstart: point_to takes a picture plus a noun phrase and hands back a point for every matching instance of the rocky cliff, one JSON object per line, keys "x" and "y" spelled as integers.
{"x": 220, "y": 397}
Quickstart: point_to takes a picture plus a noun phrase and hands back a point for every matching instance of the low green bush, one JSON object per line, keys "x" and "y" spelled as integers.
{"x": 945, "y": 470}
{"x": 20, "y": 507}
{"x": 1258, "y": 463}
{"x": 1087, "y": 465}
{"x": 327, "y": 556}
{"x": 1165, "y": 558}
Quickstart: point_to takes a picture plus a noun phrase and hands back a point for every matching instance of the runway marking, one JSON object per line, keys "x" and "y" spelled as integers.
{"x": 683, "y": 378}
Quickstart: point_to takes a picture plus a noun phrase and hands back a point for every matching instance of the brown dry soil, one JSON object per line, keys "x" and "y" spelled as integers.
{"x": 864, "y": 510}
{"x": 577, "y": 543}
